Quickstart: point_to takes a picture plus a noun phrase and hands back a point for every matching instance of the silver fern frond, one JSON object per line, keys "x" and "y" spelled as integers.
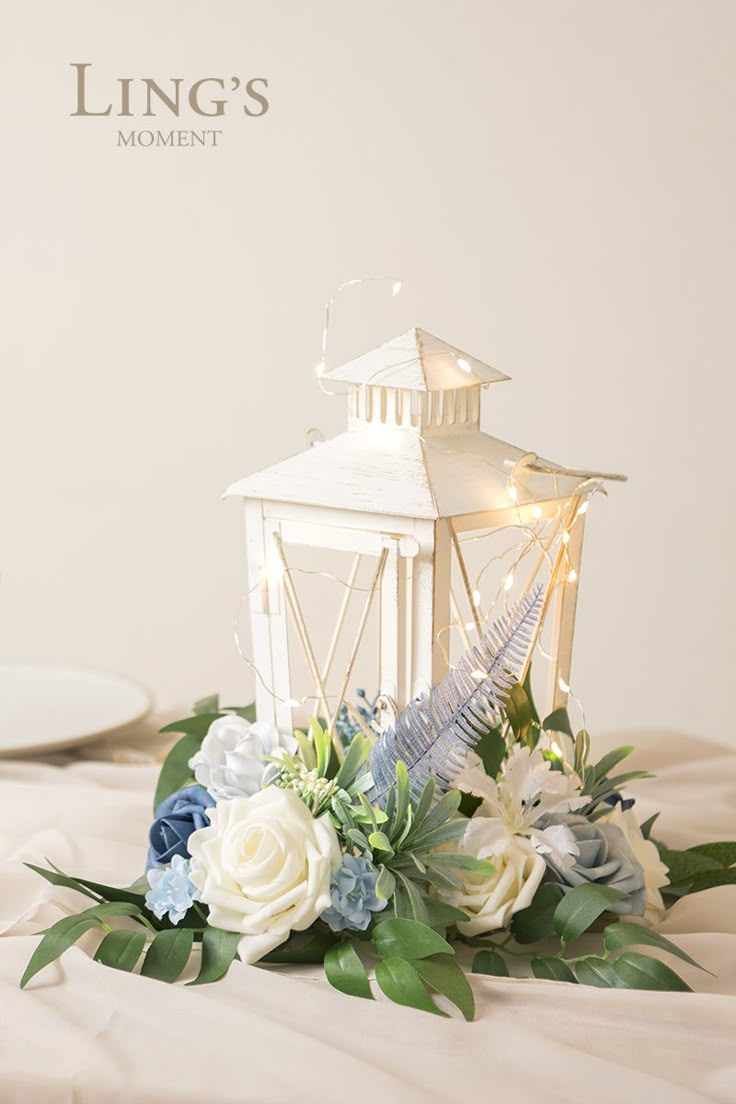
{"x": 436, "y": 731}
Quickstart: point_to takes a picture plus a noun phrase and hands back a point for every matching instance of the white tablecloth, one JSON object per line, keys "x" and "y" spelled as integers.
{"x": 83, "y": 1033}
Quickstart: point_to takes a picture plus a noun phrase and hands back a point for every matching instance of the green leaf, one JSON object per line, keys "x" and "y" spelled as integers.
{"x": 625, "y": 934}
{"x": 322, "y": 746}
{"x": 713, "y": 879}
{"x": 443, "y": 974}
{"x": 218, "y": 951}
{"x": 379, "y": 841}
{"x": 597, "y": 971}
{"x": 518, "y": 709}
{"x": 193, "y": 726}
{"x": 247, "y": 712}
{"x": 490, "y": 962}
{"x": 528, "y": 690}
{"x": 409, "y": 903}
{"x": 492, "y": 751}
{"x": 551, "y": 968}
{"x": 58, "y": 879}
{"x": 385, "y": 884}
{"x": 558, "y": 721}
{"x": 582, "y": 751}
{"x": 408, "y": 939}
{"x": 402, "y": 799}
{"x": 56, "y": 940}
{"x": 423, "y": 806}
{"x": 65, "y": 932}
{"x": 537, "y": 921}
{"x": 346, "y": 972}
{"x": 168, "y": 954}
{"x": 210, "y": 704}
{"x": 639, "y": 971}
{"x": 609, "y": 761}
{"x": 685, "y": 866}
{"x": 441, "y": 915}
{"x": 456, "y": 861}
{"x": 646, "y": 827}
{"x": 121, "y": 949}
{"x": 353, "y": 761}
{"x": 402, "y": 984}
{"x": 175, "y": 772}
{"x": 723, "y": 852}
{"x": 303, "y": 948}
{"x": 581, "y": 907}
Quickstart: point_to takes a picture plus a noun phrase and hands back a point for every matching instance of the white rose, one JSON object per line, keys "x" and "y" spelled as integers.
{"x": 264, "y": 868}
{"x": 491, "y": 900}
{"x": 230, "y": 760}
{"x": 656, "y": 874}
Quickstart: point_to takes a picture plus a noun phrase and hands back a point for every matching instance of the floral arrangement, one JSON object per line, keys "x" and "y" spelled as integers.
{"x": 470, "y": 831}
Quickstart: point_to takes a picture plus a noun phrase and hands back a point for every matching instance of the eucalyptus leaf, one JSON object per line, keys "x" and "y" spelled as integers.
{"x": 346, "y": 972}
{"x": 639, "y": 971}
{"x": 219, "y": 949}
{"x": 408, "y": 939}
{"x": 490, "y": 962}
{"x": 551, "y": 968}
{"x": 401, "y": 983}
{"x": 581, "y": 907}
{"x": 121, "y": 949}
{"x": 443, "y": 974}
{"x": 441, "y": 915}
{"x": 168, "y": 954}
{"x": 58, "y": 879}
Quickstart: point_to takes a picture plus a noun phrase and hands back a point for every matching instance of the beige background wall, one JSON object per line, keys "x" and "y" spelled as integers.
{"x": 554, "y": 181}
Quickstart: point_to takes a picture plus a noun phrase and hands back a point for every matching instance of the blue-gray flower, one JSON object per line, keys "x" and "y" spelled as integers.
{"x": 604, "y": 858}
{"x": 171, "y": 890}
{"x": 353, "y": 892}
{"x": 176, "y": 818}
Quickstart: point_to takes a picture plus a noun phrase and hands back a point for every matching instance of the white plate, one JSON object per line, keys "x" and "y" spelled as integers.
{"x": 46, "y": 708}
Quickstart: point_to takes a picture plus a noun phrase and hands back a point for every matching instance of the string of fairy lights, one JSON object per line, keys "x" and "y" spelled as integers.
{"x": 549, "y": 536}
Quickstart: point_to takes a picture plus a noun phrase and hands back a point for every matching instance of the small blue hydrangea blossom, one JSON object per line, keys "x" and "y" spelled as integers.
{"x": 353, "y": 893}
{"x": 172, "y": 891}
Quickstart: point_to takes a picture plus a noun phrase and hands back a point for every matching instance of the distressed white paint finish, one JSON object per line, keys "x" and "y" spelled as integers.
{"x": 412, "y": 465}
{"x": 416, "y": 361}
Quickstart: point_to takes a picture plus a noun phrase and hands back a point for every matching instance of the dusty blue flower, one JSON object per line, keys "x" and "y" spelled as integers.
{"x": 176, "y": 818}
{"x": 353, "y": 893}
{"x": 604, "y": 858}
{"x": 171, "y": 890}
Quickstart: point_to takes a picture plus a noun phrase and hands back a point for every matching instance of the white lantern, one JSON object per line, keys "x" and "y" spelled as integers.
{"x": 411, "y": 493}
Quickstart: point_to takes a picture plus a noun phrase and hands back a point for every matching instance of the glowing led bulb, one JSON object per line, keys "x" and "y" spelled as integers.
{"x": 292, "y": 703}
{"x": 396, "y": 287}
{"x": 478, "y": 674}
{"x": 476, "y": 598}
{"x": 537, "y": 511}
{"x": 572, "y": 575}
{"x": 319, "y": 369}
{"x": 273, "y": 573}
{"x": 566, "y": 537}
{"x": 469, "y": 626}
{"x": 563, "y": 685}
{"x": 555, "y": 747}
{"x": 462, "y": 363}
{"x": 582, "y": 509}
{"x": 508, "y": 581}
{"x": 513, "y": 493}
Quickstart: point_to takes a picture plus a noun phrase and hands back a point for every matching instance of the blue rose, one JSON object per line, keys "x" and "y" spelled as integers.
{"x": 353, "y": 894}
{"x": 177, "y": 817}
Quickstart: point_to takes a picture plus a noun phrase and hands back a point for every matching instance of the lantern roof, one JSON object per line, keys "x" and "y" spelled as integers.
{"x": 416, "y": 361}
